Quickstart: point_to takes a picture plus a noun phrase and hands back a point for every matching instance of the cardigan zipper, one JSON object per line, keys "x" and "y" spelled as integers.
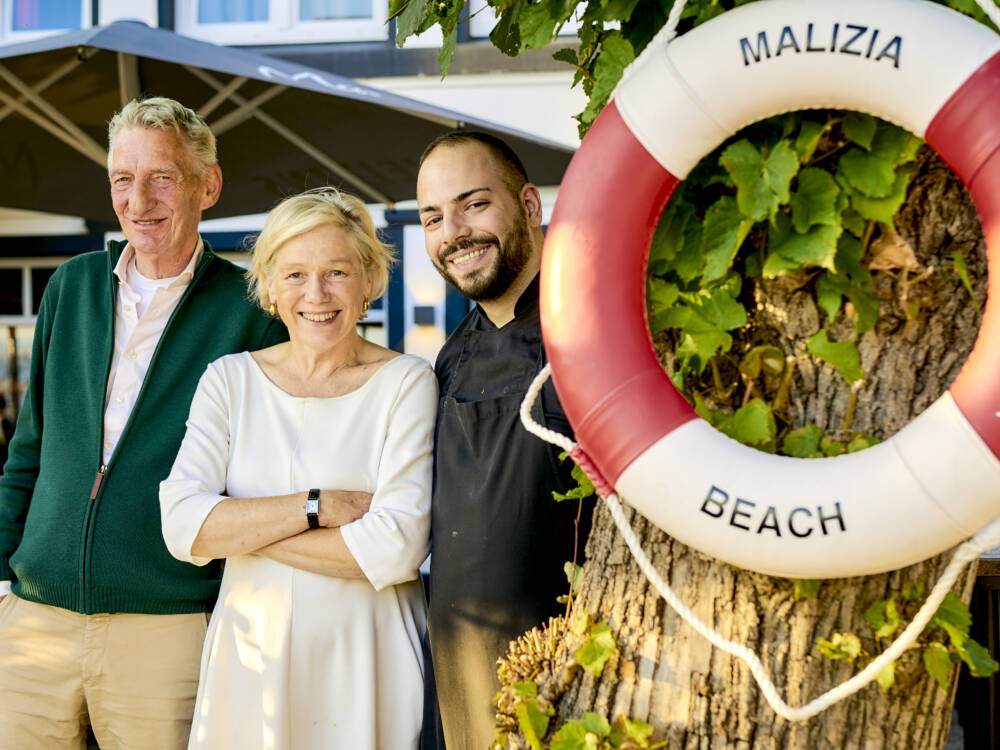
{"x": 97, "y": 482}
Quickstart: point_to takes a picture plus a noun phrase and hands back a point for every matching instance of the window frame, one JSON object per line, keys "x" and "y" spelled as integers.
{"x": 9, "y": 36}
{"x": 283, "y": 26}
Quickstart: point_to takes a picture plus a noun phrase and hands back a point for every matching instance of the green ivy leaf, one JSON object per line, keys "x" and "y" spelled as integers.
{"x": 860, "y": 128}
{"x": 841, "y": 354}
{"x": 597, "y": 649}
{"x": 977, "y": 659}
{"x": 446, "y": 53}
{"x": 805, "y": 588}
{"x": 886, "y": 677}
{"x": 719, "y": 308}
{"x": 573, "y": 736}
{"x": 506, "y": 35}
{"x": 659, "y": 299}
{"x": 840, "y": 646}
{"x": 723, "y": 232}
{"x": 616, "y": 54}
{"x": 937, "y": 662}
{"x": 884, "y": 209}
{"x": 803, "y": 442}
{"x": 953, "y": 615}
{"x": 762, "y": 183}
{"x": 536, "y": 26}
{"x": 808, "y": 139}
{"x": 860, "y": 442}
{"x": 815, "y": 200}
{"x": 413, "y": 18}
{"x": 883, "y": 616}
{"x": 867, "y": 173}
{"x": 669, "y": 237}
{"x": 574, "y": 574}
{"x": 533, "y": 723}
{"x": 913, "y": 591}
{"x": 831, "y": 447}
{"x": 817, "y": 247}
{"x": 637, "y": 732}
{"x": 752, "y": 424}
{"x": 830, "y": 291}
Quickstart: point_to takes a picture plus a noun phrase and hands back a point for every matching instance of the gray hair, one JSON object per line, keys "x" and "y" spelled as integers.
{"x": 162, "y": 113}
{"x": 304, "y": 212}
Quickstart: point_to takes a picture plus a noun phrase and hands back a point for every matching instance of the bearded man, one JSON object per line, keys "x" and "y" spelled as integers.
{"x": 499, "y": 540}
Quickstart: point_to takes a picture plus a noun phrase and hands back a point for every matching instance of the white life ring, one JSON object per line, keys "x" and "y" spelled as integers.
{"x": 931, "y": 485}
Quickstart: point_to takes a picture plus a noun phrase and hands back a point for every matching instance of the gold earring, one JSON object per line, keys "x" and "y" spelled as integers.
{"x": 272, "y": 310}
{"x": 365, "y": 304}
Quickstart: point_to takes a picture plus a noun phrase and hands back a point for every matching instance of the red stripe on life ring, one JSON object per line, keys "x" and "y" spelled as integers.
{"x": 593, "y": 306}
{"x": 966, "y": 133}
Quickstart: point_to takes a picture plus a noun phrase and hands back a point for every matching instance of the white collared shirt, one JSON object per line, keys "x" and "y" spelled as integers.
{"x": 141, "y": 313}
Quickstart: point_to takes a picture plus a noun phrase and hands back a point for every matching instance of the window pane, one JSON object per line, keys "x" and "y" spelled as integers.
{"x": 38, "y": 15}
{"x": 332, "y": 10}
{"x": 39, "y": 278}
{"x": 10, "y": 292}
{"x": 231, "y": 11}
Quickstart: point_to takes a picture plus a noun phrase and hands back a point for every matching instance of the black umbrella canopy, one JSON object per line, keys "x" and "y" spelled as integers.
{"x": 281, "y": 127}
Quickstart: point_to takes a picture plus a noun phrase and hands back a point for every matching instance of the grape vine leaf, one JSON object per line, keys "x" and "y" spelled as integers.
{"x": 860, "y": 128}
{"x": 803, "y": 442}
{"x": 841, "y": 354}
{"x": 815, "y": 200}
{"x": 840, "y": 646}
{"x": 805, "y": 588}
{"x": 762, "y": 182}
{"x": 723, "y": 232}
{"x": 937, "y": 662}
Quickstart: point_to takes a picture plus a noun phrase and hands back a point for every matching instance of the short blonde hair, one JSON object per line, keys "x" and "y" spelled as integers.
{"x": 304, "y": 212}
{"x": 161, "y": 113}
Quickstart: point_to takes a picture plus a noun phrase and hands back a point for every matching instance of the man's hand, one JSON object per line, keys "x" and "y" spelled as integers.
{"x": 339, "y": 507}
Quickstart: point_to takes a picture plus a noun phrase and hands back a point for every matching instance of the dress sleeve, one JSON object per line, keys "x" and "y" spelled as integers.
{"x": 197, "y": 480}
{"x": 392, "y": 539}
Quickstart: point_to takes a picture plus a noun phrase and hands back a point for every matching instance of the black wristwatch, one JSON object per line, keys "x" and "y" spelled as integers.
{"x": 312, "y": 509}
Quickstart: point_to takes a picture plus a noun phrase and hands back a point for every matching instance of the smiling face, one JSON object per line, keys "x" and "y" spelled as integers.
{"x": 476, "y": 232}
{"x": 318, "y": 284}
{"x": 158, "y": 196}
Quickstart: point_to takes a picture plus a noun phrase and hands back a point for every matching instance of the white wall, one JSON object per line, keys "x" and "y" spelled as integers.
{"x": 114, "y": 10}
{"x": 540, "y": 103}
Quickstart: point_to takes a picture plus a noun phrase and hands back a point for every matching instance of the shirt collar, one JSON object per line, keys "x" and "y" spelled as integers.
{"x": 185, "y": 276}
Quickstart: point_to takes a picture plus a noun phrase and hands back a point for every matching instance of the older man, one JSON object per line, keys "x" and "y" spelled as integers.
{"x": 499, "y": 540}
{"x": 103, "y": 626}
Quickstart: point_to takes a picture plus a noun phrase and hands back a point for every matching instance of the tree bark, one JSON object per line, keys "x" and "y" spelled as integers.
{"x": 696, "y": 696}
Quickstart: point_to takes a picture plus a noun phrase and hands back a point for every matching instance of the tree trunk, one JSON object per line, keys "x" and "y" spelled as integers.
{"x": 696, "y": 696}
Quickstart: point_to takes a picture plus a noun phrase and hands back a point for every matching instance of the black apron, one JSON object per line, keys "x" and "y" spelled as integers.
{"x": 500, "y": 540}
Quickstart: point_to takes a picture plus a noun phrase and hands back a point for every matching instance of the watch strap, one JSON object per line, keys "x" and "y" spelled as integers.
{"x": 312, "y": 509}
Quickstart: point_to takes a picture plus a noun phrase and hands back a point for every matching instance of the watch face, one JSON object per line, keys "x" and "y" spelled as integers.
{"x": 312, "y": 507}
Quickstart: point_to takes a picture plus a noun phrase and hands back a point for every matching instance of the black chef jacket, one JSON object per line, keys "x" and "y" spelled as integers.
{"x": 499, "y": 540}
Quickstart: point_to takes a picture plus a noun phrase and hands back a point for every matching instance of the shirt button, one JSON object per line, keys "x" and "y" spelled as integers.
{"x": 107, "y": 445}
{"x": 120, "y": 399}
{"x": 132, "y": 354}
{"x": 128, "y": 308}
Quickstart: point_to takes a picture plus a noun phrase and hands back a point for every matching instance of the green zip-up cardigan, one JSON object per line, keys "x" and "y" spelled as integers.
{"x": 81, "y": 536}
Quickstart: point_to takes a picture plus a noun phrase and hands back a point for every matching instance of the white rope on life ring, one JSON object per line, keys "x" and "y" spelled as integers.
{"x": 924, "y": 490}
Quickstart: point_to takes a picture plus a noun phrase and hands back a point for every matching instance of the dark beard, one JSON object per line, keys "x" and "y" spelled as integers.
{"x": 513, "y": 253}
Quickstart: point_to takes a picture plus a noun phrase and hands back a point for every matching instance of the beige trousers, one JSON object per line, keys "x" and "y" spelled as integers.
{"x": 133, "y": 678}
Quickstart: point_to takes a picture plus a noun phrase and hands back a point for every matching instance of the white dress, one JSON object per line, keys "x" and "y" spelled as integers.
{"x": 294, "y": 660}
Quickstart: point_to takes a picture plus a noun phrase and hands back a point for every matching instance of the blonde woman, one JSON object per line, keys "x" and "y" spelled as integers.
{"x": 315, "y": 640}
